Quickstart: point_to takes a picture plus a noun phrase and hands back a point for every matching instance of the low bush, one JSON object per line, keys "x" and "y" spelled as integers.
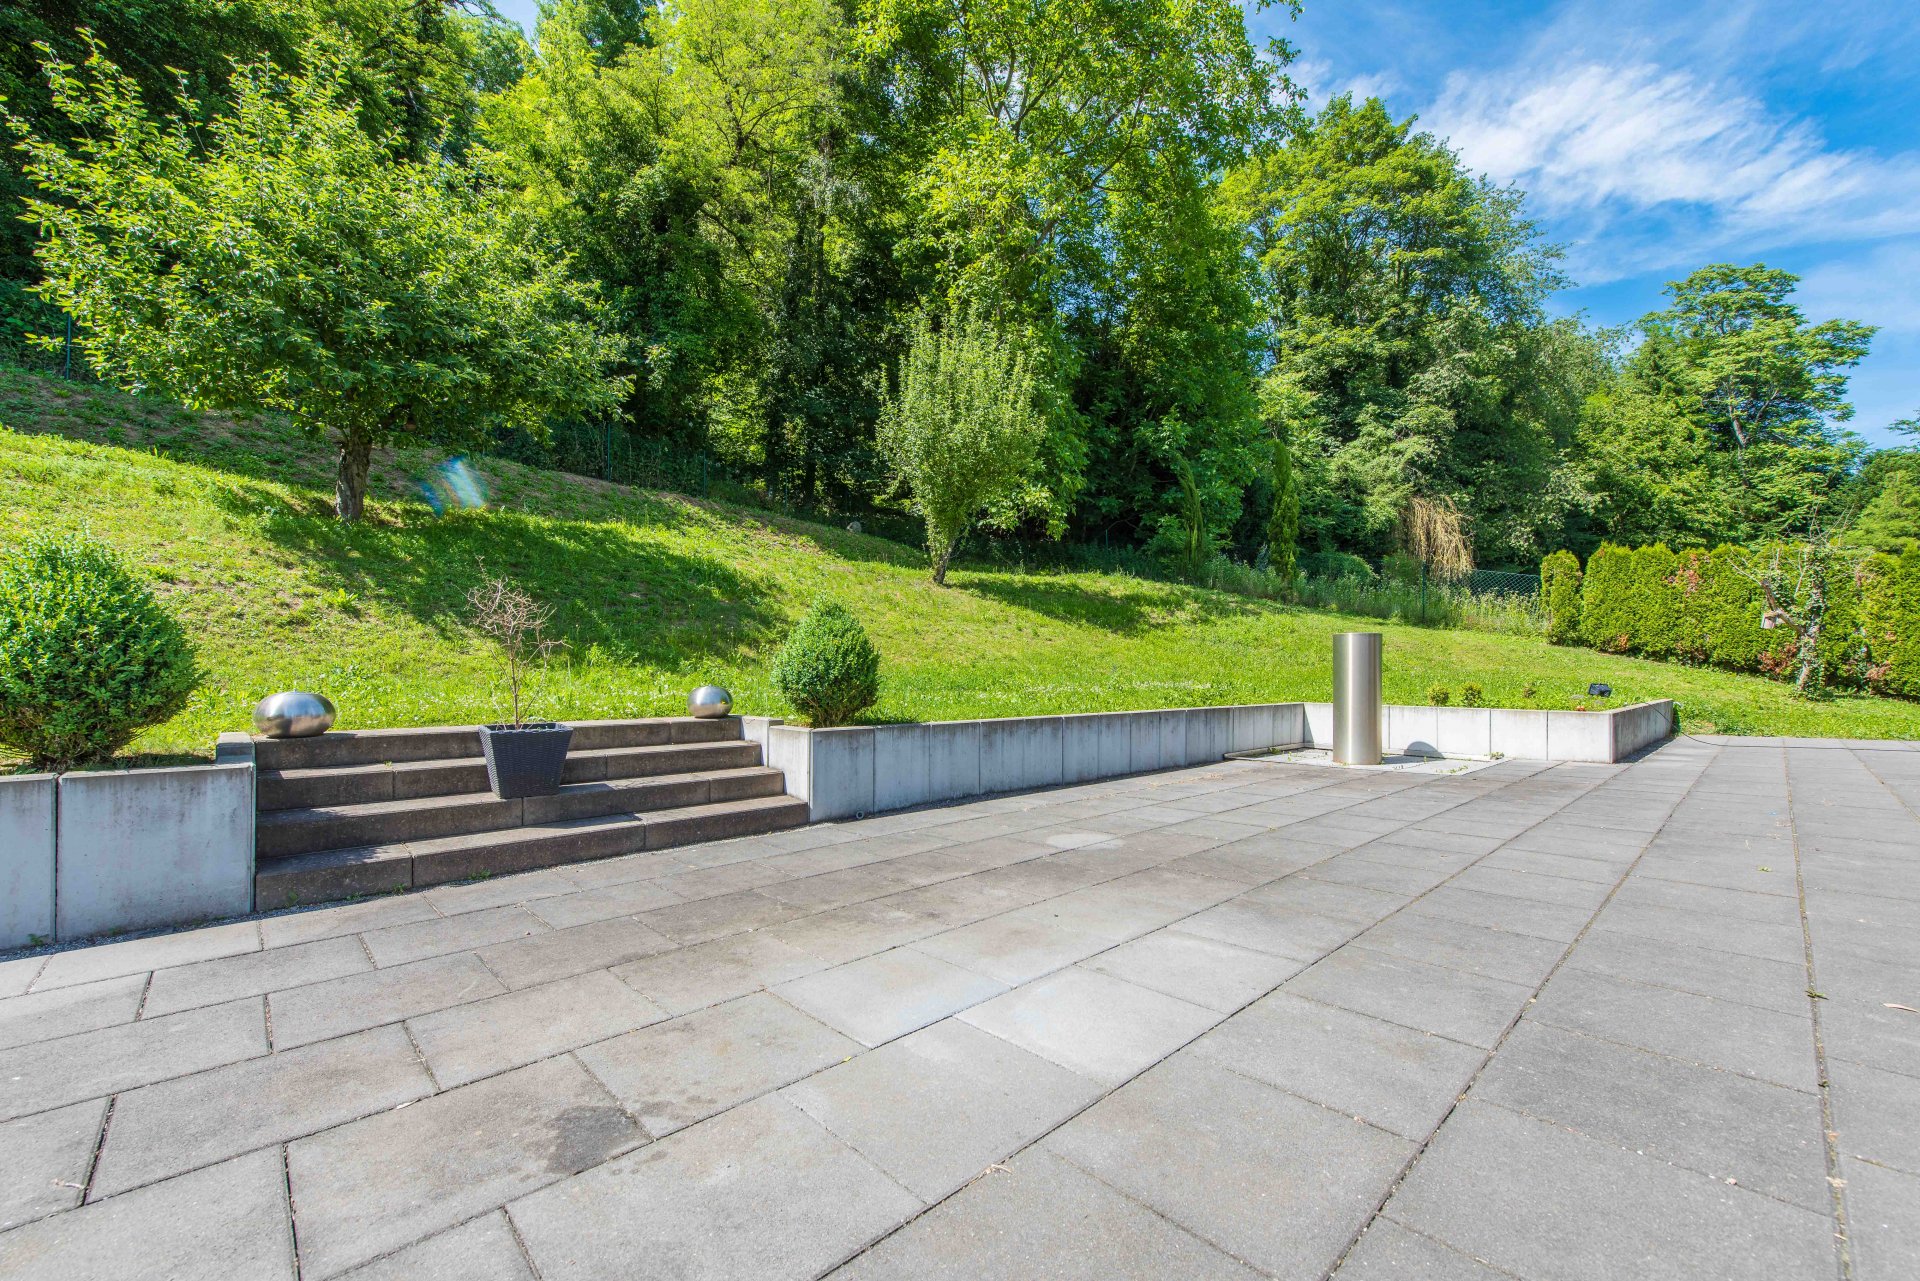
{"x": 1471, "y": 695}
{"x": 828, "y": 669}
{"x": 1438, "y": 695}
{"x": 1336, "y": 565}
{"x": 88, "y": 657}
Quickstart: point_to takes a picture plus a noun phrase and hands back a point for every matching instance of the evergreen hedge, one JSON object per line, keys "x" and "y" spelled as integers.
{"x": 1560, "y": 585}
{"x": 1696, "y": 606}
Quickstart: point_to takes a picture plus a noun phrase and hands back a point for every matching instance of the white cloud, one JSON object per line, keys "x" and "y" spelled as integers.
{"x": 1599, "y": 146}
{"x": 1878, "y": 287}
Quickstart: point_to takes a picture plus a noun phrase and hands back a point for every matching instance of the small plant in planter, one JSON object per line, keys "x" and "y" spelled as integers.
{"x": 524, "y": 757}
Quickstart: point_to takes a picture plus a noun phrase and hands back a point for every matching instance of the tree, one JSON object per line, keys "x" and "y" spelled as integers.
{"x": 694, "y": 154}
{"x": 1283, "y": 527}
{"x": 279, "y": 258}
{"x": 961, "y": 432}
{"x": 1063, "y": 160}
{"x": 1402, "y": 299}
{"x": 1796, "y": 582}
{"x": 423, "y": 63}
{"x": 1737, "y": 358}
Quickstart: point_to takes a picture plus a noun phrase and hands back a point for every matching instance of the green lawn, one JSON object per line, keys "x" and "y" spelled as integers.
{"x": 656, "y": 593}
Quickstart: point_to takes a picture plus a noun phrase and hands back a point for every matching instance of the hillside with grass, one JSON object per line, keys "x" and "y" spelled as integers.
{"x": 654, "y": 593}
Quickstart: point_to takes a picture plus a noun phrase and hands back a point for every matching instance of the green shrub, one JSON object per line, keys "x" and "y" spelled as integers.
{"x": 828, "y": 669}
{"x": 1336, "y": 565}
{"x": 88, "y": 658}
{"x": 1403, "y": 568}
{"x": 1653, "y": 601}
{"x": 1471, "y": 695}
{"x": 1560, "y": 585}
{"x": 1607, "y": 613}
{"x": 1706, "y": 607}
{"x": 1438, "y": 695}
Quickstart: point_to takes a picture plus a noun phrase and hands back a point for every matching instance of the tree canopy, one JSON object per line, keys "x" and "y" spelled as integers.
{"x": 1251, "y": 328}
{"x": 280, "y": 257}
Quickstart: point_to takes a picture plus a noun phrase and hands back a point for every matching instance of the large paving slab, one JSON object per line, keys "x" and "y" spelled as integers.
{"x": 1243, "y": 1020}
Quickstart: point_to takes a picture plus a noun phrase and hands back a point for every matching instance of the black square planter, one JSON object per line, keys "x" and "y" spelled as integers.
{"x": 527, "y": 761}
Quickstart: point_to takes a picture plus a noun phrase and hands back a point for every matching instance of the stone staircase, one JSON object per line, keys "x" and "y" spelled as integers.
{"x": 373, "y": 811}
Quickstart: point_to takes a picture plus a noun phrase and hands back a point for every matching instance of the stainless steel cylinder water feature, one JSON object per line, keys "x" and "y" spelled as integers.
{"x": 1356, "y": 698}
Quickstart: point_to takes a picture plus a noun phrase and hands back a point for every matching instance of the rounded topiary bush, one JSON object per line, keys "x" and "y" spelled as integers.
{"x": 88, "y": 658}
{"x": 828, "y": 669}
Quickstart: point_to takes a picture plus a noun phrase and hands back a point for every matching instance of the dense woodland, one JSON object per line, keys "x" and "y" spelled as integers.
{"x": 1249, "y": 322}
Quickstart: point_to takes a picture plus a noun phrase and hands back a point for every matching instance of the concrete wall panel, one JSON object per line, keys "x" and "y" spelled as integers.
{"x": 1580, "y": 736}
{"x": 1319, "y": 718}
{"x": 1209, "y": 734}
{"x": 1412, "y": 731}
{"x": 1464, "y": 731}
{"x": 1021, "y": 752}
{"x": 146, "y": 848}
{"x": 26, "y": 859}
{"x": 1641, "y": 726}
{"x": 1097, "y": 745}
{"x": 1520, "y": 733}
{"x": 1146, "y": 737}
{"x": 1251, "y": 728}
{"x": 841, "y": 772}
{"x": 914, "y": 764}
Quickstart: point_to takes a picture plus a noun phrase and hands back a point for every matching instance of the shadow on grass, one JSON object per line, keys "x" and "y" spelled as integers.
{"x": 1072, "y": 599}
{"x": 614, "y": 592}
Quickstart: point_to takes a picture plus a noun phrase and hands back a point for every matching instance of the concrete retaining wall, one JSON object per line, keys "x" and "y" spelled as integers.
{"x": 869, "y": 769}
{"x": 97, "y": 853}
{"x": 1522, "y": 733}
{"x": 26, "y": 859}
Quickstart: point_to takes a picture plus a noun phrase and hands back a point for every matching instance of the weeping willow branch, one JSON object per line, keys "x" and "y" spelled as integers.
{"x": 1435, "y": 532}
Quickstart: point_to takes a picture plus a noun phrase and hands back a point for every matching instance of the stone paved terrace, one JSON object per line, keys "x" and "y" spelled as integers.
{"x": 1245, "y": 1020}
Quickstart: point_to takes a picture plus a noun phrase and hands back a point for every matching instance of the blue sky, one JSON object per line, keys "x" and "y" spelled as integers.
{"x": 1656, "y": 136}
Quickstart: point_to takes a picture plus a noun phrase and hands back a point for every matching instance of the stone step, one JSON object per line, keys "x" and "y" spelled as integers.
{"x": 419, "y": 818}
{"x": 404, "y": 780}
{"x": 324, "y": 876}
{"x": 462, "y": 742}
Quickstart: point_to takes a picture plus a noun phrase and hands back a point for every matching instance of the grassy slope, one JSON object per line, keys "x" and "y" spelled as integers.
{"x": 655, "y": 593}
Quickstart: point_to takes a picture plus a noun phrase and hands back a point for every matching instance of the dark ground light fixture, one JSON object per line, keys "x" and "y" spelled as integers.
{"x": 1600, "y": 689}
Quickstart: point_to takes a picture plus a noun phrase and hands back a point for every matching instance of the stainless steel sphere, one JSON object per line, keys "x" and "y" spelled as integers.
{"x": 709, "y": 702}
{"x": 293, "y": 714}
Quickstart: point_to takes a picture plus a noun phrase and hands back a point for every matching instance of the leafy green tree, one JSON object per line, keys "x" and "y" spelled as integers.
{"x": 1651, "y": 472}
{"x": 1739, "y": 360}
{"x": 421, "y": 64}
{"x": 698, "y": 159}
{"x": 1560, "y": 586}
{"x": 1403, "y": 298}
{"x": 278, "y": 257}
{"x": 961, "y": 432}
{"x": 1884, "y": 499}
{"x": 1064, "y": 157}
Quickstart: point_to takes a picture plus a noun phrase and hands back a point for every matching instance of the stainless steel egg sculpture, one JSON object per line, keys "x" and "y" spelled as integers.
{"x": 293, "y": 714}
{"x": 709, "y": 702}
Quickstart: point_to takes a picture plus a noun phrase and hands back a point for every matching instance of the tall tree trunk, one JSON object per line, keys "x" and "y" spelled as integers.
{"x": 350, "y": 482}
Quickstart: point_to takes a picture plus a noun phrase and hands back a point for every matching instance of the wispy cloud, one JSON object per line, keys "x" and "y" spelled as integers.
{"x": 1877, "y": 287}
{"x": 1600, "y": 145}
